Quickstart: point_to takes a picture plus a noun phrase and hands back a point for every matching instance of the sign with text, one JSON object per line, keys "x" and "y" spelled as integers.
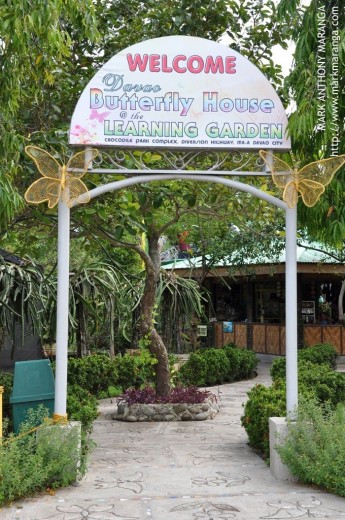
{"x": 180, "y": 92}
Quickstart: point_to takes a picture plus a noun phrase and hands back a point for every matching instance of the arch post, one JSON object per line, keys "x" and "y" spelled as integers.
{"x": 291, "y": 311}
{"x": 62, "y": 310}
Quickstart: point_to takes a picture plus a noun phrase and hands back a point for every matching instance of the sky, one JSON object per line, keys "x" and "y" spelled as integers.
{"x": 283, "y": 57}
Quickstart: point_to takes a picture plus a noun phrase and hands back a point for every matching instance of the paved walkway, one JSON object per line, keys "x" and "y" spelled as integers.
{"x": 180, "y": 471}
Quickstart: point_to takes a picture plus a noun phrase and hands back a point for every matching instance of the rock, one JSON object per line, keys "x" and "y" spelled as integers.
{"x": 147, "y": 410}
{"x": 131, "y": 418}
{"x": 201, "y": 416}
{"x": 171, "y": 417}
{"x": 158, "y": 417}
{"x": 179, "y": 408}
{"x": 120, "y": 409}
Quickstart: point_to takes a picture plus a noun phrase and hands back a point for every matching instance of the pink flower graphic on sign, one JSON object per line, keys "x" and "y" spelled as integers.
{"x": 84, "y": 135}
{"x": 96, "y": 115}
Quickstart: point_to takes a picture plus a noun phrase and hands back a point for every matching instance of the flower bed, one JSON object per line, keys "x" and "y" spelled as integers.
{"x": 182, "y": 404}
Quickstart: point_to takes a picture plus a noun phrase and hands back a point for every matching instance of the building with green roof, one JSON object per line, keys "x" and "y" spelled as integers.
{"x": 248, "y": 299}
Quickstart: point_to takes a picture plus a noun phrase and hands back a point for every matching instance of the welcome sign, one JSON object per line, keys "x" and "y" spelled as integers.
{"x": 179, "y": 92}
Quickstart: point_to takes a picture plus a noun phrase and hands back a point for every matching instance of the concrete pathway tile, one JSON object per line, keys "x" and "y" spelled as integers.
{"x": 79, "y": 509}
{"x": 282, "y": 506}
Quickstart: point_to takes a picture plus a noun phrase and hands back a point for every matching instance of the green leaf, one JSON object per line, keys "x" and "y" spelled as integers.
{"x": 191, "y": 200}
{"x": 119, "y": 231}
{"x": 158, "y": 201}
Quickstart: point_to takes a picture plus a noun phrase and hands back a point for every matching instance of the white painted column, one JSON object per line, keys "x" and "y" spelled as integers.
{"x": 62, "y": 310}
{"x": 291, "y": 312}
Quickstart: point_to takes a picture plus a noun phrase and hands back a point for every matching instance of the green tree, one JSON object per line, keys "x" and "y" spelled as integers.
{"x": 24, "y": 295}
{"x": 100, "y": 295}
{"x": 249, "y": 229}
{"x": 37, "y": 64}
{"x": 316, "y": 87}
{"x": 47, "y": 56}
{"x": 151, "y": 210}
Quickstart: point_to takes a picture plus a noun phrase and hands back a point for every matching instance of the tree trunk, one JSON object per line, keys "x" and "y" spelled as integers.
{"x": 82, "y": 350}
{"x": 147, "y": 327}
{"x": 112, "y": 332}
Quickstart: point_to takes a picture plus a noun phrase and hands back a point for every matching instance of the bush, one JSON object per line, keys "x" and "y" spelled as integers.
{"x": 318, "y": 382}
{"x": 28, "y": 466}
{"x": 217, "y": 366}
{"x": 314, "y": 449}
{"x": 263, "y": 402}
{"x": 193, "y": 372}
{"x": 191, "y": 395}
{"x": 242, "y": 362}
{"x": 320, "y": 354}
{"x": 6, "y": 380}
{"x": 278, "y": 368}
{"x": 315, "y": 380}
{"x": 81, "y": 406}
{"x": 322, "y": 382}
{"x": 135, "y": 370}
{"x": 94, "y": 373}
{"x": 205, "y": 368}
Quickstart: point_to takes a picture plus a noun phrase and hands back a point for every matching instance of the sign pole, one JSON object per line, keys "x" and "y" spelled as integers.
{"x": 62, "y": 311}
{"x": 291, "y": 312}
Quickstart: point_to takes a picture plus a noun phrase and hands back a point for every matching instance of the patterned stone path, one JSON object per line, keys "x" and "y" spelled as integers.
{"x": 179, "y": 471}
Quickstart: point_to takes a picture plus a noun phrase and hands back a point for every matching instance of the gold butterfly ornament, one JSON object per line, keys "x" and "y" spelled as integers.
{"x": 59, "y": 180}
{"x": 309, "y": 182}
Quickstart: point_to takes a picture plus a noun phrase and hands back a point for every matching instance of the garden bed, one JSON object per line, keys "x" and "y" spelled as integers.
{"x": 168, "y": 411}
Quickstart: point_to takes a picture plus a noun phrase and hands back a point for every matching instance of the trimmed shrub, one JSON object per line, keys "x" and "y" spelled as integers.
{"x": 214, "y": 366}
{"x": 98, "y": 372}
{"x": 134, "y": 371}
{"x": 242, "y": 362}
{"x": 320, "y": 354}
{"x": 314, "y": 449}
{"x": 193, "y": 372}
{"x": 316, "y": 382}
{"x": 234, "y": 357}
{"x": 217, "y": 366}
{"x": 263, "y": 402}
{"x": 94, "y": 373}
{"x": 278, "y": 368}
{"x": 322, "y": 382}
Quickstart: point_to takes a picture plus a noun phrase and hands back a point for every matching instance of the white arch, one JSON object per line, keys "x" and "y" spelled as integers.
{"x": 63, "y": 279}
{"x": 125, "y": 183}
